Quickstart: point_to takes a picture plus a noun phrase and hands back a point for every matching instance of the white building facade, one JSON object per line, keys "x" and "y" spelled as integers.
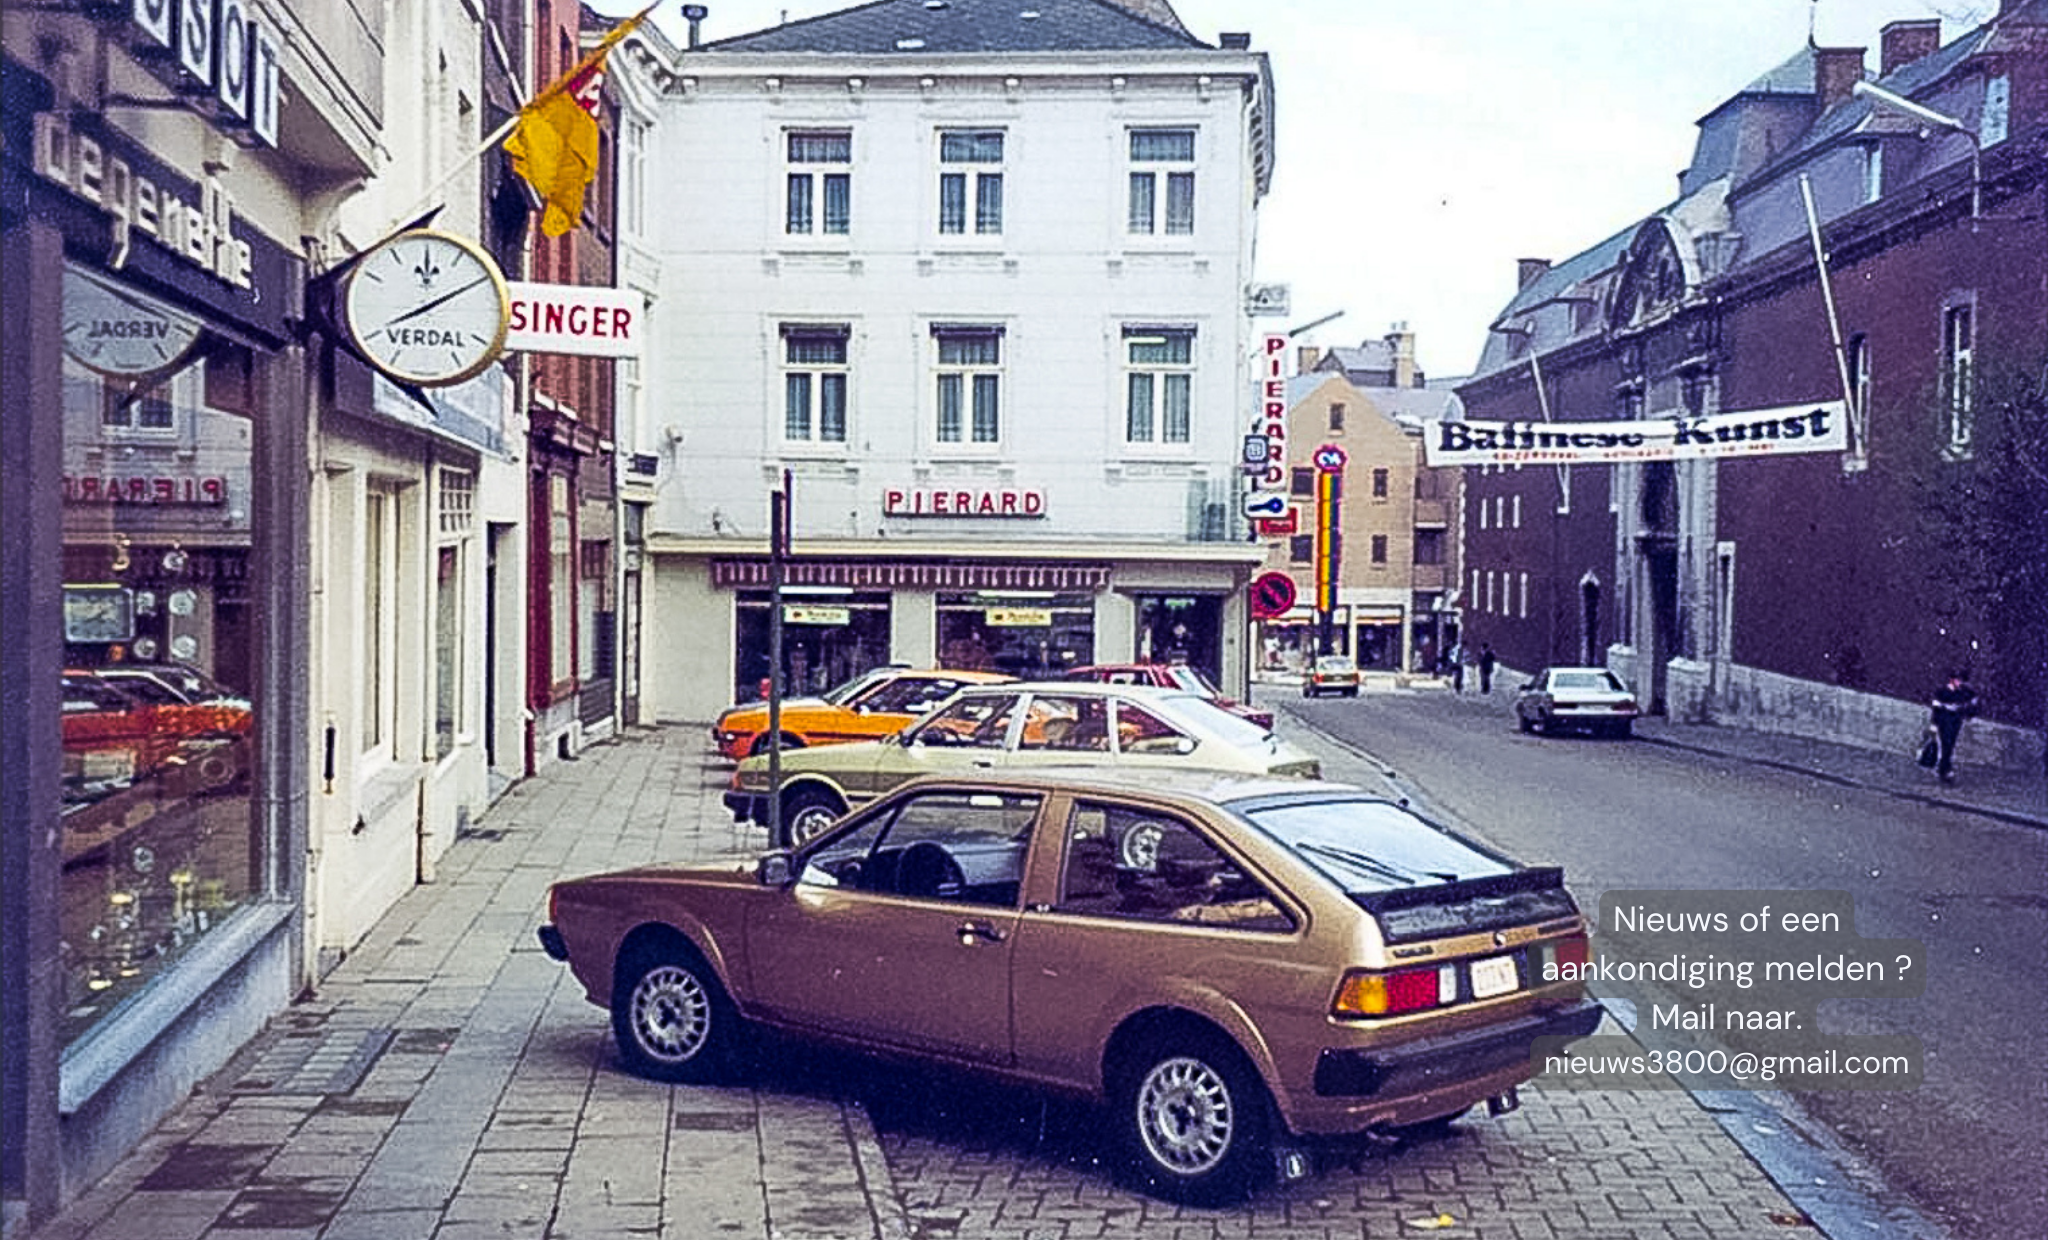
{"x": 976, "y": 283}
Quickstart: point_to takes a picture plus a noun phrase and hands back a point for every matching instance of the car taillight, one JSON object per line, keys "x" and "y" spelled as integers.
{"x": 1625, "y": 704}
{"x": 1544, "y": 958}
{"x": 554, "y": 894}
{"x": 1365, "y": 993}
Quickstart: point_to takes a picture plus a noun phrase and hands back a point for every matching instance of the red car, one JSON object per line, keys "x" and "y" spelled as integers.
{"x": 1170, "y": 676}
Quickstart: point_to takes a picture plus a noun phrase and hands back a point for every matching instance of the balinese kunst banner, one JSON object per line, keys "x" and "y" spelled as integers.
{"x": 1821, "y": 427}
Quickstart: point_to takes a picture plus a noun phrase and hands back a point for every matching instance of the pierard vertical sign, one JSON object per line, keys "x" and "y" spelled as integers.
{"x": 1271, "y": 418}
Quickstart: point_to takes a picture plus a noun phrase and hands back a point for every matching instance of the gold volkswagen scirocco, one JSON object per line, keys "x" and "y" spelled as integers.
{"x": 1234, "y": 966}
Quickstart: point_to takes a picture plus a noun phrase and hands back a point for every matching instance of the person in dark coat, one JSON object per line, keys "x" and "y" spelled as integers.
{"x": 1486, "y": 662}
{"x": 1953, "y": 703}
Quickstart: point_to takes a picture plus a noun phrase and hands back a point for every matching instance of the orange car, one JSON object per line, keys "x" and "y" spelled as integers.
{"x": 877, "y": 703}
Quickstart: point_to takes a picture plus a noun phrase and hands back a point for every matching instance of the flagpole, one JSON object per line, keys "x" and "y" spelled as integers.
{"x": 504, "y": 131}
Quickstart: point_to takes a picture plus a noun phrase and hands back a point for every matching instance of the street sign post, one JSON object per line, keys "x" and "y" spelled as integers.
{"x": 1272, "y": 596}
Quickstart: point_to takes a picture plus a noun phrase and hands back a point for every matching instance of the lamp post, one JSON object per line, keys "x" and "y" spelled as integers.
{"x": 1938, "y": 120}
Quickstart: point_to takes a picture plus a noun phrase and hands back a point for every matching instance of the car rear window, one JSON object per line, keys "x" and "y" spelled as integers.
{"x": 1594, "y": 682}
{"x": 1366, "y": 845}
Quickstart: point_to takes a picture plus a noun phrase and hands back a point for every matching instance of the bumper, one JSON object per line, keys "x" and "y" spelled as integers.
{"x": 553, "y": 944}
{"x": 1434, "y": 1063}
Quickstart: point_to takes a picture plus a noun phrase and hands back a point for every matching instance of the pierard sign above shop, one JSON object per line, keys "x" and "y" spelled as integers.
{"x": 1819, "y": 427}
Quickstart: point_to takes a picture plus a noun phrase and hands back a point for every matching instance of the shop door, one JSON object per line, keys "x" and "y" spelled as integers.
{"x": 1182, "y": 628}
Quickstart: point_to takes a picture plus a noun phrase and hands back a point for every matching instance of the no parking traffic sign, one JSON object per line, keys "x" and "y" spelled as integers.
{"x": 1272, "y": 596}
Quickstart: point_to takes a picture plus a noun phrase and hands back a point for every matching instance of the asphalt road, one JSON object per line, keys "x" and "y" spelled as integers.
{"x": 1968, "y": 1144}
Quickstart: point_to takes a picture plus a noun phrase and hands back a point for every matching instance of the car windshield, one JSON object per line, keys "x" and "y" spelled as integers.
{"x": 1586, "y": 682}
{"x": 1366, "y": 845}
{"x": 845, "y": 691}
{"x": 1192, "y": 680}
{"x": 1333, "y": 663}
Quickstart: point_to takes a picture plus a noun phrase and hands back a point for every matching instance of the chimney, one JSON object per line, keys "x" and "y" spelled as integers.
{"x": 1527, "y": 269}
{"x": 1235, "y": 41}
{"x": 1305, "y": 358}
{"x": 1905, "y": 42}
{"x": 1836, "y": 70}
{"x": 1402, "y": 342}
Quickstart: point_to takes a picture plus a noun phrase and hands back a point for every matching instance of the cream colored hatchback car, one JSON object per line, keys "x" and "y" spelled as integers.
{"x": 1232, "y": 966}
{"x": 1138, "y": 728}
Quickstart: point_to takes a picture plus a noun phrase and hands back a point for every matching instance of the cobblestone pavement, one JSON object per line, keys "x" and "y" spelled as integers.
{"x": 449, "y": 1082}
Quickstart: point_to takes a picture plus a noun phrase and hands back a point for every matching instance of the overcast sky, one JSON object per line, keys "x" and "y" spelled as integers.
{"x": 1426, "y": 146}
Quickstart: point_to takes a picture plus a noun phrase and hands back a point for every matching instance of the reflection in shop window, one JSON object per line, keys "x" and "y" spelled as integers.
{"x": 447, "y": 650}
{"x": 561, "y": 583}
{"x": 1030, "y": 634}
{"x": 830, "y": 635}
{"x": 157, "y": 845}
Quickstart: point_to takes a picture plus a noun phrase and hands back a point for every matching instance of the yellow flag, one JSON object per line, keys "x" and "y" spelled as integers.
{"x": 554, "y": 146}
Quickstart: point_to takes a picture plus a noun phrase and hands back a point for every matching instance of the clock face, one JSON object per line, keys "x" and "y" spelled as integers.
{"x": 428, "y": 308}
{"x": 118, "y": 331}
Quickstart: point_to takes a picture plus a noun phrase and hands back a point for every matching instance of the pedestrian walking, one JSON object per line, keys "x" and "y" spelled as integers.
{"x": 1953, "y": 703}
{"x": 1486, "y": 662}
{"x": 1456, "y": 658}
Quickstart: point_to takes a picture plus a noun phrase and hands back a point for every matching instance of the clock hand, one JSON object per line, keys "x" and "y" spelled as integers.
{"x": 443, "y": 299}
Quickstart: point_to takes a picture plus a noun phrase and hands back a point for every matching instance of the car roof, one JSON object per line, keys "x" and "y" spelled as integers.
{"x": 1186, "y": 784}
{"x": 956, "y": 673}
{"x": 1092, "y": 688}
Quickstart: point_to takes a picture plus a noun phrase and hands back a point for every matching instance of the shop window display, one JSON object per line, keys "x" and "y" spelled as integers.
{"x": 828, "y": 638}
{"x": 1029, "y": 635}
{"x": 159, "y": 846}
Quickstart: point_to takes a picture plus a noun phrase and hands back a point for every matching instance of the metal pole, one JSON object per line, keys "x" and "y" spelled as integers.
{"x": 1857, "y": 421}
{"x": 778, "y": 543}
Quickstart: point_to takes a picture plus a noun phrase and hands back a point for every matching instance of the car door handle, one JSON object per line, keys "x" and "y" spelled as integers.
{"x": 984, "y": 762}
{"x": 969, "y": 931}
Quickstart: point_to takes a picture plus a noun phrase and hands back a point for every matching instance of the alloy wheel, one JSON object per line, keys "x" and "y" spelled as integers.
{"x": 671, "y": 1014}
{"x": 1186, "y": 1118}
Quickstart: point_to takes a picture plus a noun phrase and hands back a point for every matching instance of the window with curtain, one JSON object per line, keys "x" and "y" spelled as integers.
{"x": 1158, "y": 384}
{"x": 971, "y": 182}
{"x": 820, "y": 171}
{"x": 969, "y": 378}
{"x": 814, "y": 378}
{"x": 1162, "y": 175}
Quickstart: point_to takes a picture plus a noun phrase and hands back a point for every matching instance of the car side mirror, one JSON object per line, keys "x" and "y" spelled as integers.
{"x": 1184, "y": 746}
{"x": 773, "y": 869}
{"x": 1527, "y": 685}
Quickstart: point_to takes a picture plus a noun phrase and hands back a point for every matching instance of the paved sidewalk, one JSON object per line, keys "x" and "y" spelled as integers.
{"x": 450, "y": 1082}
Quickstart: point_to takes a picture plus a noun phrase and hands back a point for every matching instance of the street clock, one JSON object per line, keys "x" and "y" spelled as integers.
{"x": 428, "y": 308}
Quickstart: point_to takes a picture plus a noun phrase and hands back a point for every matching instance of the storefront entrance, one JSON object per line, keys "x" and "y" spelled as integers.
{"x": 1182, "y": 628}
{"x": 1032, "y": 635}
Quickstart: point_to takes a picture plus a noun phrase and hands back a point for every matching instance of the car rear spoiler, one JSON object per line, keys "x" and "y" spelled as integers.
{"x": 1467, "y": 905}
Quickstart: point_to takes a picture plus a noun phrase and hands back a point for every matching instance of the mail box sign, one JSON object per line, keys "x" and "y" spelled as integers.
{"x": 961, "y": 502}
{"x": 591, "y": 320}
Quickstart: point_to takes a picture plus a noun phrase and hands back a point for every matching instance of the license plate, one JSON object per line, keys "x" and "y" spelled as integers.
{"x": 1493, "y": 976}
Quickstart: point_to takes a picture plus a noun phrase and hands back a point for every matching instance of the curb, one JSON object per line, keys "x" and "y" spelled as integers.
{"x": 2012, "y": 817}
{"x": 892, "y": 1220}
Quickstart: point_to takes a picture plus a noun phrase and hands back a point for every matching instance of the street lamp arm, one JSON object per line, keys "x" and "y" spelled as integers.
{"x": 1899, "y": 103}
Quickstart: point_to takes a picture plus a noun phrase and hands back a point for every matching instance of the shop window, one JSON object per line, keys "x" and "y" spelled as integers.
{"x": 594, "y": 646}
{"x": 820, "y": 183}
{"x": 448, "y": 678}
{"x": 379, "y": 619}
{"x": 157, "y": 839}
{"x": 830, "y": 636}
{"x": 971, "y": 171}
{"x": 1159, "y": 366}
{"x": 1033, "y": 635}
{"x": 814, "y": 379}
{"x": 1162, "y": 182}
